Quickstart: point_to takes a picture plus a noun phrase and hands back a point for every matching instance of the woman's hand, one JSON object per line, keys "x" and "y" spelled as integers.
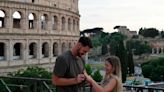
{"x": 88, "y": 77}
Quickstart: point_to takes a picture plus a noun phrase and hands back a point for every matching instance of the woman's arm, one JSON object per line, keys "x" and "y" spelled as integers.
{"x": 98, "y": 88}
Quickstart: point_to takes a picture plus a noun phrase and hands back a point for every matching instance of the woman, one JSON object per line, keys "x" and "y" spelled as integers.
{"x": 112, "y": 81}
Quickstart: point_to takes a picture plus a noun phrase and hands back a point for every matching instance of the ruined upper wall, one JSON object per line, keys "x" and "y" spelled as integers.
{"x": 71, "y": 5}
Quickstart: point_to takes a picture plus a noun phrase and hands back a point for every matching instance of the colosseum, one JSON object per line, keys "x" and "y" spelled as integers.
{"x": 34, "y": 32}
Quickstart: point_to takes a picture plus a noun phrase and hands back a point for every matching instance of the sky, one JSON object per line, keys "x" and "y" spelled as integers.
{"x": 131, "y": 13}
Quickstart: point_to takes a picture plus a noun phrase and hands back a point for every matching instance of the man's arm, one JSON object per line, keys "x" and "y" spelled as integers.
{"x": 57, "y": 81}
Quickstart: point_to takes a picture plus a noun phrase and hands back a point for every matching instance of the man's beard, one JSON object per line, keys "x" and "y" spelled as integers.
{"x": 78, "y": 53}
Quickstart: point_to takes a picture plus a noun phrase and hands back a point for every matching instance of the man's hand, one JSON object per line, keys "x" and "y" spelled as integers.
{"x": 80, "y": 78}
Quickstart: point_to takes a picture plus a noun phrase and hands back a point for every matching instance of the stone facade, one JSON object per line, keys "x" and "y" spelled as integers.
{"x": 34, "y": 32}
{"x": 156, "y": 44}
{"x": 125, "y": 31}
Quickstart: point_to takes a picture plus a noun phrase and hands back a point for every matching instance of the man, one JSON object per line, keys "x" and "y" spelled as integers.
{"x": 68, "y": 70}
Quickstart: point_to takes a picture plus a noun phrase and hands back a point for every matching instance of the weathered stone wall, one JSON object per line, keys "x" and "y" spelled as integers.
{"x": 37, "y": 41}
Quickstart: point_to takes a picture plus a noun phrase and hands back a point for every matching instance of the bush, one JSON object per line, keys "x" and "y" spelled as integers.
{"x": 88, "y": 69}
{"x": 147, "y": 69}
{"x": 153, "y": 69}
{"x": 97, "y": 76}
{"x": 136, "y": 82}
{"x": 32, "y": 72}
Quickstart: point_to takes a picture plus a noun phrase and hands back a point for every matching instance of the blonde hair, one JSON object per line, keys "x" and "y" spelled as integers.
{"x": 115, "y": 62}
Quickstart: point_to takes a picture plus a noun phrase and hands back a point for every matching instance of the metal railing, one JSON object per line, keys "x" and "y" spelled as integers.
{"x": 142, "y": 89}
{"x": 5, "y": 85}
{"x": 24, "y": 84}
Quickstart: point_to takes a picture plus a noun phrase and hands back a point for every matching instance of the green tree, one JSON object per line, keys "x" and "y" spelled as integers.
{"x": 30, "y": 72}
{"x": 147, "y": 69}
{"x": 113, "y": 45}
{"x": 104, "y": 42}
{"x": 117, "y": 36}
{"x": 157, "y": 74}
{"x": 117, "y": 48}
{"x": 149, "y": 32}
{"x": 96, "y": 41}
{"x": 138, "y": 47}
{"x": 104, "y": 49}
{"x": 97, "y": 76}
{"x": 121, "y": 53}
{"x": 88, "y": 69}
{"x": 153, "y": 69}
{"x": 162, "y": 34}
{"x": 130, "y": 62}
{"x": 114, "y": 39}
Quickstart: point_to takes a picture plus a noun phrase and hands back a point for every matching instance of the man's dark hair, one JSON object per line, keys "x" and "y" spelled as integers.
{"x": 85, "y": 41}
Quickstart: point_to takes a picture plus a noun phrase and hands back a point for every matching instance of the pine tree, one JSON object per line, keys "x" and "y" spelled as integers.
{"x": 121, "y": 53}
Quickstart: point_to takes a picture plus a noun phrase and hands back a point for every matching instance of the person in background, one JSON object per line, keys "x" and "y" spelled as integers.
{"x": 112, "y": 81}
{"x": 68, "y": 70}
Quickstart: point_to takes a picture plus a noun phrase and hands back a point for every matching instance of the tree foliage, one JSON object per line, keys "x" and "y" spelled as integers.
{"x": 121, "y": 53}
{"x": 97, "y": 76}
{"x": 138, "y": 47}
{"x": 162, "y": 34}
{"x": 104, "y": 39}
{"x": 153, "y": 69}
{"x": 101, "y": 40}
{"x": 88, "y": 69}
{"x": 149, "y": 32}
{"x": 92, "y": 32}
{"x": 32, "y": 72}
{"x": 96, "y": 41}
{"x": 117, "y": 48}
{"x": 117, "y": 36}
{"x": 130, "y": 62}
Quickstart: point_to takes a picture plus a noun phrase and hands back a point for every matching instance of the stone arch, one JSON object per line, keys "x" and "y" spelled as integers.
{"x": 63, "y": 47}
{"x": 17, "y": 51}
{"x": 2, "y": 51}
{"x": 32, "y": 50}
{"x": 32, "y": 1}
{"x": 2, "y": 18}
{"x": 74, "y": 43}
{"x": 17, "y": 19}
{"x": 77, "y": 25}
{"x": 69, "y": 24}
{"x": 69, "y": 45}
{"x": 74, "y": 24}
{"x": 44, "y": 21}
{"x": 55, "y": 49}
{"x": 162, "y": 50}
{"x": 55, "y": 23}
{"x": 32, "y": 21}
{"x": 159, "y": 50}
{"x": 63, "y": 23}
{"x": 155, "y": 50}
{"x": 45, "y": 49}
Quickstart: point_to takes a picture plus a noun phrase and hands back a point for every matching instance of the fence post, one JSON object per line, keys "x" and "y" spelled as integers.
{"x": 35, "y": 87}
{"x": 8, "y": 89}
